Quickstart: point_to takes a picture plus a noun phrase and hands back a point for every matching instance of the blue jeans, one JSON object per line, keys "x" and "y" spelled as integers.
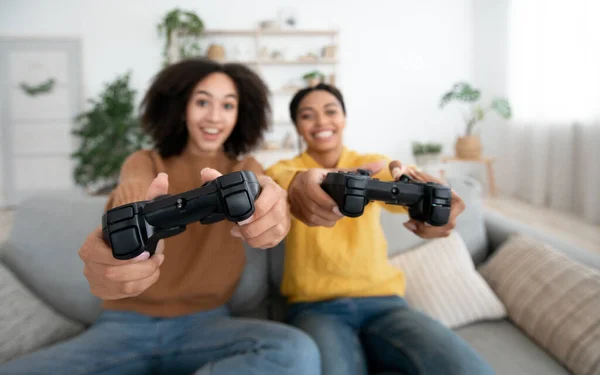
{"x": 210, "y": 342}
{"x": 383, "y": 334}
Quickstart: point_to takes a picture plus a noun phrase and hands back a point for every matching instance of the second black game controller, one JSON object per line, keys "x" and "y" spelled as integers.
{"x": 352, "y": 191}
{"x": 136, "y": 227}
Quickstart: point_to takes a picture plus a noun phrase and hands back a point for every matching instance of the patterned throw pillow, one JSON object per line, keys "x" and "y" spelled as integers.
{"x": 442, "y": 282}
{"x": 554, "y": 299}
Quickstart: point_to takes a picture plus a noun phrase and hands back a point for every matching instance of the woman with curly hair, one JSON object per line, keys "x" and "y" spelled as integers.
{"x": 168, "y": 313}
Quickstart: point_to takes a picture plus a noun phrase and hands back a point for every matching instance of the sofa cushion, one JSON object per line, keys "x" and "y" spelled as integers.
{"x": 26, "y": 323}
{"x": 552, "y": 298}
{"x": 470, "y": 224}
{"x": 41, "y": 250}
{"x": 442, "y": 282}
{"x": 508, "y": 350}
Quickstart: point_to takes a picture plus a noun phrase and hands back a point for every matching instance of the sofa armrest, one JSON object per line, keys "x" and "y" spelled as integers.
{"x": 499, "y": 228}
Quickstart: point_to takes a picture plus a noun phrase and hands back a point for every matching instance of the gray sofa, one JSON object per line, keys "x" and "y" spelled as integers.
{"x": 48, "y": 229}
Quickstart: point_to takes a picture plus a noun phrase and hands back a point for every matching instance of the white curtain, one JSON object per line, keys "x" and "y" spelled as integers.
{"x": 551, "y": 153}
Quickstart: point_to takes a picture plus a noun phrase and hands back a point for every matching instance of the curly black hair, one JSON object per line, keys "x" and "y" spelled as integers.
{"x": 307, "y": 90}
{"x": 164, "y": 105}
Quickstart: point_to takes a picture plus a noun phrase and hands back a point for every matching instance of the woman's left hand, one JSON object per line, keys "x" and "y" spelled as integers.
{"x": 271, "y": 220}
{"x": 420, "y": 228}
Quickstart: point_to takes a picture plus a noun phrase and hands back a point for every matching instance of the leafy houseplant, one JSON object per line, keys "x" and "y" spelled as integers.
{"x": 188, "y": 26}
{"x": 108, "y": 133}
{"x": 313, "y": 78}
{"x": 468, "y": 146}
{"x": 426, "y": 153}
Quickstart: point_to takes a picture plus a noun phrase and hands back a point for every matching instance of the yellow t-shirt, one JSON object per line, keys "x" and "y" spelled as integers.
{"x": 348, "y": 260}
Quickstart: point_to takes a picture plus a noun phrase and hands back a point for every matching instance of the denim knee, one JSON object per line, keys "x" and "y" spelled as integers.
{"x": 299, "y": 353}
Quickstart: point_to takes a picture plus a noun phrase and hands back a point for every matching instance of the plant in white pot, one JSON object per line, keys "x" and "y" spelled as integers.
{"x": 468, "y": 146}
{"x": 426, "y": 153}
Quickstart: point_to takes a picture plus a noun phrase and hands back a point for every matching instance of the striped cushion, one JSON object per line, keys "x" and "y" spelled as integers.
{"x": 554, "y": 299}
{"x": 442, "y": 282}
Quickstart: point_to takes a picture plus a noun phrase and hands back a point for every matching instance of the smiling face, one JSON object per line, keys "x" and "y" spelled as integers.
{"x": 321, "y": 121}
{"x": 211, "y": 113}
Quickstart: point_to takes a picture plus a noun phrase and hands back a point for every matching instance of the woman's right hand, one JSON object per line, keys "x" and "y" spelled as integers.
{"x": 110, "y": 278}
{"x": 310, "y": 204}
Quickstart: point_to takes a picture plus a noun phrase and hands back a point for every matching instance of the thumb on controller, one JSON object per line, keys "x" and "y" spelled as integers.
{"x": 158, "y": 187}
{"x": 209, "y": 174}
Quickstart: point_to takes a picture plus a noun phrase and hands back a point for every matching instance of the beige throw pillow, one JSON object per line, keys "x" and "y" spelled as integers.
{"x": 442, "y": 282}
{"x": 554, "y": 299}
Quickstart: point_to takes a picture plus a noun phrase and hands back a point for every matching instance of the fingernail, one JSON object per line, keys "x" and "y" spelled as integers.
{"x": 161, "y": 259}
{"x": 247, "y": 221}
{"x": 235, "y": 232}
{"x": 427, "y": 224}
{"x": 396, "y": 172}
{"x": 410, "y": 226}
{"x": 163, "y": 174}
{"x": 336, "y": 210}
{"x": 203, "y": 169}
{"x": 143, "y": 256}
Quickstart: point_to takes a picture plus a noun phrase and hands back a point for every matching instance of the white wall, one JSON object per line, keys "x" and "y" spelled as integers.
{"x": 397, "y": 57}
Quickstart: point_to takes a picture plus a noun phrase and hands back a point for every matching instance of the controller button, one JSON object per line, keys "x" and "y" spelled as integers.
{"x": 442, "y": 193}
{"x": 440, "y": 216}
{"x": 395, "y": 190}
{"x": 120, "y": 214}
{"x": 354, "y": 204}
{"x": 231, "y": 179}
{"x": 127, "y": 239}
{"x": 355, "y": 183}
{"x": 238, "y": 204}
{"x": 364, "y": 172}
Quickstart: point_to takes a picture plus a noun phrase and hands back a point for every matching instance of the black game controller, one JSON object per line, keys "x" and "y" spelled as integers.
{"x": 136, "y": 227}
{"x": 352, "y": 191}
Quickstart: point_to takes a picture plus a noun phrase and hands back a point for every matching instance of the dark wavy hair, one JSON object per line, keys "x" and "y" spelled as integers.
{"x": 305, "y": 91}
{"x": 164, "y": 106}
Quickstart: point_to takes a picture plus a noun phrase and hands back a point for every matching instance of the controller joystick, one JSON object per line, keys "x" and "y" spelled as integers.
{"x": 136, "y": 227}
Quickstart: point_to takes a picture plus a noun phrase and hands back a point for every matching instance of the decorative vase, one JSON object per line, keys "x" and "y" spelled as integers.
{"x": 216, "y": 52}
{"x": 468, "y": 147}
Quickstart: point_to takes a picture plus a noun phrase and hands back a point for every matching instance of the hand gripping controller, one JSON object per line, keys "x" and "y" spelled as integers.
{"x": 136, "y": 227}
{"x": 352, "y": 191}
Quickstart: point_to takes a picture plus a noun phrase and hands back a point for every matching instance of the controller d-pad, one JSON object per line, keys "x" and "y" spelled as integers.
{"x": 230, "y": 180}
{"x": 238, "y": 204}
{"x": 128, "y": 240}
{"x": 354, "y": 204}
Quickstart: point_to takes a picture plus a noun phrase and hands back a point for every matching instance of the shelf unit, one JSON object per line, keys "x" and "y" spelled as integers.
{"x": 266, "y": 65}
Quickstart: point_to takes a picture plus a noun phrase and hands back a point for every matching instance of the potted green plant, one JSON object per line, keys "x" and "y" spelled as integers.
{"x": 108, "y": 132}
{"x": 313, "y": 78}
{"x": 468, "y": 146}
{"x": 184, "y": 27}
{"x": 427, "y": 153}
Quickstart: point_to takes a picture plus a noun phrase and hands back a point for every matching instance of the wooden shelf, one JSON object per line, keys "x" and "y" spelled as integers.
{"x": 258, "y": 32}
{"x": 282, "y": 62}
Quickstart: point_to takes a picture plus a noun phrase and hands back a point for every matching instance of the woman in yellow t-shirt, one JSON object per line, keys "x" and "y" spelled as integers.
{"x": 337, "y": 279}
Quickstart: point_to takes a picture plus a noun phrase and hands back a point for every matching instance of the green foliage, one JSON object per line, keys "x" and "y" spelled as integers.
{"x": 426, "y": 148}
{"x": 313, "y": 74}
{"x": 42, "y": 88}
{"x": 189, "y": 27}
{"x": 108, "y": 133}
{"x": 464, "y": 92}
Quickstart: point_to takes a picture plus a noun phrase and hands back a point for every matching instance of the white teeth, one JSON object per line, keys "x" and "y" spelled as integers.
{"x": 324, "y": 134}
{"x": 211, "y": 130}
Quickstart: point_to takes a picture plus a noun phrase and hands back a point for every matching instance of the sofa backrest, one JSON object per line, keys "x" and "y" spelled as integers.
{"x": 49, "y": 229}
